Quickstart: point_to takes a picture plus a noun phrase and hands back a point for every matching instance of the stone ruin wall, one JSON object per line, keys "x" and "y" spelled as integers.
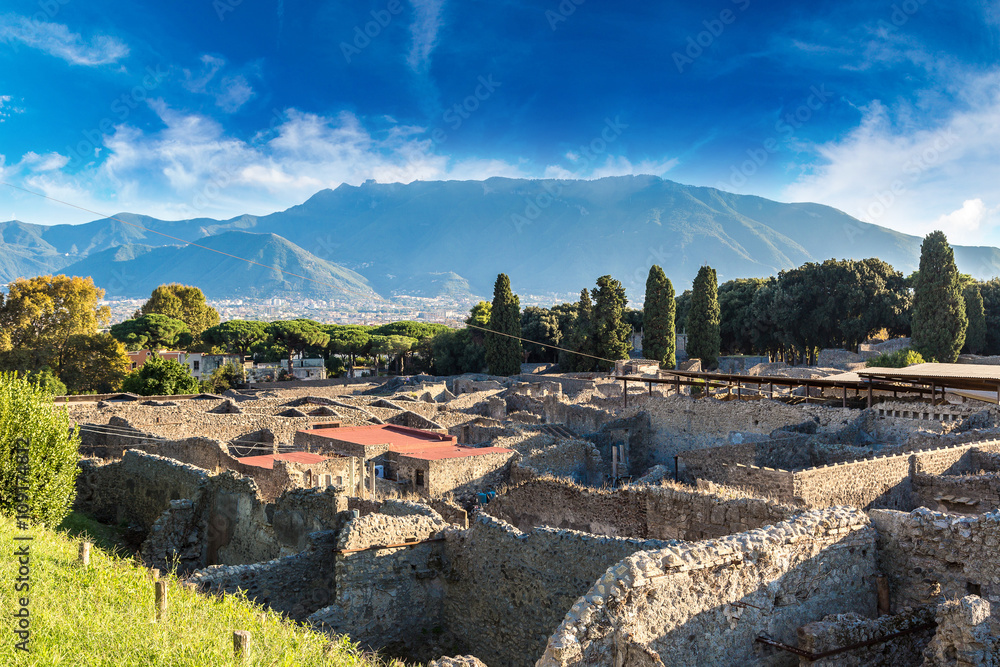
{"x": 967, "y": 635}
{"x": 929, "y": 557}
{"x": 915, "y": 628}
{"x": 880, "y": 482}
{"x": 508, "y": 589}
{"x": 641, "y": 512}
{"x": 706, "y": 603}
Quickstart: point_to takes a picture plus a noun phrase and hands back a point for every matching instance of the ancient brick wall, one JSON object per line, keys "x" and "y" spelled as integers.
{"x": 706, "y": 603}
{"x": 931, "y": 556}
{"x": 468, "y": 474}
{"x": 508, "y": 589}
{"x": 967, "y": 635}
{"x": 957, "y": 493}
{"x": 639, "y": 512}
{"x": 880, "y": 482}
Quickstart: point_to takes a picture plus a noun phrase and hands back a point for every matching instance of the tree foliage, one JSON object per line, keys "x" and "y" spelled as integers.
{"x": 38, "y": 453}
{"x": 160, "y": 377}
{"x": 975, "y": 335}
{"x": 579, "y": 337}
{"x": 611, "y": 331}
{"x": 236, "y": 336}
{"x": 939, "y": 319}
{"x": 225, "y": 377}
{"x": 152, "y": 332}
{"x": 296, "y": 336}
{"x": 541, "y": 325}
{"x": 94, "y": 364}
{"x": 184, "y": 303}
{"x": 40, "y": 314}
{"x": 703, "y": 319}
{"x": 503, "y": 352}
{"x": 659, "y": 338}
{"x": 898, "y": 359}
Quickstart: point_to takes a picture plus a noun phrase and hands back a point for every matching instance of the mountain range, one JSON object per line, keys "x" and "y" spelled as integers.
{"x": 451, "y": 238}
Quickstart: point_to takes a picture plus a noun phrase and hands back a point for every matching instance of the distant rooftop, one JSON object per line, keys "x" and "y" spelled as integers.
{"x": 267, "y": 460}
{"x": 411, "y": 442}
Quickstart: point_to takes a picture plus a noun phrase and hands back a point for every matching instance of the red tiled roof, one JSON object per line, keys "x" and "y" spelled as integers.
{"x": 385, "y": 434}
{"x": 267, "y": 460}
{"x": 413, "y": 442}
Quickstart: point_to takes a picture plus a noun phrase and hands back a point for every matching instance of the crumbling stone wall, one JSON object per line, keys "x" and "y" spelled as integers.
{"x": 929, "y": 556}
{"x": 387, "y": 592}
{"x": 957, "y": 493}
{"x": 842, "y": 630}
{"x": 660, "y": 512}
{"x": 508, "y": 589}
{"x": 707, "y": 602}
{"x": 967, "y": 635}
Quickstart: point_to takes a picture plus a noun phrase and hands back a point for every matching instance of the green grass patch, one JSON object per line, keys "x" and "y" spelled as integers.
{"x": 110, "y": 538}
{"x": 104, "y": 614}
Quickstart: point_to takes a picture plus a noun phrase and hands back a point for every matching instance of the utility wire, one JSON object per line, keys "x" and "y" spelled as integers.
{"x": 275, "y": 268}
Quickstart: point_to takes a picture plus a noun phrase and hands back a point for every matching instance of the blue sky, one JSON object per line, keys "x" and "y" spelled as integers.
{"x": 887, "y": 110}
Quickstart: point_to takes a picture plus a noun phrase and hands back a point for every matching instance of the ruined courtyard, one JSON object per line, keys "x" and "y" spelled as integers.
{"x": 548, "y": 520}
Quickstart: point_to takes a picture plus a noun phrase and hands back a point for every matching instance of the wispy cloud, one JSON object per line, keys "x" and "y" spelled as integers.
{"x": 57, "y": 40}
{"x": 7, "y": 109}
{"x": 917, "y": 168}
{"x": 424, "y": 32}
{"x": 230, "y": 91}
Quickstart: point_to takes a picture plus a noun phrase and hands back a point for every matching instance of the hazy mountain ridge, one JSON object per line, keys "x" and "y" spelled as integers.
{"x": 550, "y": 236}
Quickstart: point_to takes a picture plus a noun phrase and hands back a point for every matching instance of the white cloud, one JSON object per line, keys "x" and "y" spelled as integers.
{"x": 902, "y": 171}
{"x": 7, "y": 109}
{"x": 230, "y": 92}
{"x": 57, "y": 40}
{"x": 424, "y": 31}
{"x": 612, "y": 165}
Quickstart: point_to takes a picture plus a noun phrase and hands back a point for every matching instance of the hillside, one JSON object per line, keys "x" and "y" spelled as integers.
{"x": 454, "y": 237}
{"x": 135, "y": 270}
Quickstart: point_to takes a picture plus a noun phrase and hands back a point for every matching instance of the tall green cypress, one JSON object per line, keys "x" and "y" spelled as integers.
{"x": 939, "y": 319}
{"x": 611, "y": 331}
{"x": 503, "y": 353}
{"x": 659, "y": 339}
{"x": 704, "y": 338}
{"x": 975, "y": 335}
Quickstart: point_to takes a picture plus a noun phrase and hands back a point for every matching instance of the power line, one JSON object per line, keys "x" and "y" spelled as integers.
{"x": 267, "y": 266}
{"x": 554, "y": 347}
{"x": 176, "y": 238}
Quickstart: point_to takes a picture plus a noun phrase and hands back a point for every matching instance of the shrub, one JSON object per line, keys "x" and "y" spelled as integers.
{"x": 47, "y": 380}
{"x": 223, "y": 378}
{"x": 898, "y": 359}
{"x": 160, "y": 377}
{"x": 42, "y": 475}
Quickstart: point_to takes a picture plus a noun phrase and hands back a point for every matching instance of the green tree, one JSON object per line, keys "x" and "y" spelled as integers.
{"x": 611, "y": 331}
{"x": 48, "y": 381}
{"x": 541, "y": 325}
{"x": 184, "y": 303}
{"x": 503, "y": 353}
{"x": 38, "y": 453}
{"x": 735, "y": 314}
{"x": 417, "y": 330}
{"x": 350, "y": 341}
{"x": 160, "y": 377}
{"x": 659, "y": 337}
{"x": 580, "y": 337}
{"x": 975, "y": 335}
{"x": 898, "y": 359}
{"x": 297, "y": 335}
{"x": 225, "y": 377}
{"x": 990, "y": 291}
{"x": 939, "y": 319}
{"x": 40, "y": 314}
{"x": 236, "y": 336}
{"x": 152, "y": 332}
{"x": 703, "y": 319}
{"x": 94, "y": 364}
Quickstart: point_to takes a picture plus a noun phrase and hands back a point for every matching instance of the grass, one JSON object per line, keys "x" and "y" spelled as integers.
{"x": 104, "y": 614}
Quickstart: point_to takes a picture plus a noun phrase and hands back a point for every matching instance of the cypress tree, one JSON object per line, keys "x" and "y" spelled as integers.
{"x": 975, "y": 335}
{"x": 659, "y": 339}
{"x": 503, "y": 353}
{"x": 611, "y": 331}
{"x": 704, "y": 338}
{"x": 939, "y": 319}
{"x": 580, "y": 338}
